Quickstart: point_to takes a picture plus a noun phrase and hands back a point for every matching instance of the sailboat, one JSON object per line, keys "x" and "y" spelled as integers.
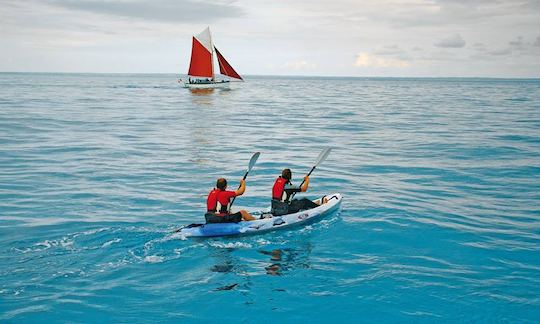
{"x": 201, "y": 68}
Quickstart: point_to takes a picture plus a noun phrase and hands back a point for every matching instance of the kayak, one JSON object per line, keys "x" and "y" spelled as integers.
{"x": 268, "y": 223}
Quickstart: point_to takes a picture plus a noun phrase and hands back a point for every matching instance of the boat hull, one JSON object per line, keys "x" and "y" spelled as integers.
{"x": 212, "y": 85}
{"x": 266, "y": 224}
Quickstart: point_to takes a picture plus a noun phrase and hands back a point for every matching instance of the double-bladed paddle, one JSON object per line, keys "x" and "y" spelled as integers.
{"x": 322, "y": 156}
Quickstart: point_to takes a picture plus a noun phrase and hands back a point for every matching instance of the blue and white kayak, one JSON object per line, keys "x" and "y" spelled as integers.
{"x": 265, "y": 224}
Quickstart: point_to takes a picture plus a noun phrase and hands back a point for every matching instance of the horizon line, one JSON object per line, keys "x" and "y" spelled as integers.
{"x": 283, "y": 75}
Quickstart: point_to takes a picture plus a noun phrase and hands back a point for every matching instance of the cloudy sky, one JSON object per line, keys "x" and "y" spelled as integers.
{"x": 486, "y": 38}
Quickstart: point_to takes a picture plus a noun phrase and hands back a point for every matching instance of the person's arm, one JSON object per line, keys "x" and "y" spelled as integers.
{"x": 305, "y": 185}
{"x": 290, "y": 189}
{"x": 242, "y": 188}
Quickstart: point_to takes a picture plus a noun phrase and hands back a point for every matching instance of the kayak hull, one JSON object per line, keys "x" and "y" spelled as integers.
{"x": 266, "y": 224}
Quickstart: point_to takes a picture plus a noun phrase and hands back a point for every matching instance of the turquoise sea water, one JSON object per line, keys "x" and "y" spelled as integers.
{"x": 440, "y": 219}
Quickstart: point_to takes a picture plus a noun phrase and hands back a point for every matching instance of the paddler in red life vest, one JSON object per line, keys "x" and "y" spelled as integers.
{"x": 218, "y": 204}
{"x": 282, "y": 191}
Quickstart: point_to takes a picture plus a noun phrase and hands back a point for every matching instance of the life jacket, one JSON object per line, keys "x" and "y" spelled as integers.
{"x": 214, "y": 206}
{"x": 278, "y": 190}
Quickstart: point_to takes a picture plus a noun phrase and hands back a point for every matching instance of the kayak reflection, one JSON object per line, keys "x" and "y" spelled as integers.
{"x": 283, "y": 260}
{"x": 225, "y": 268}
{"x": 275, "y": 268}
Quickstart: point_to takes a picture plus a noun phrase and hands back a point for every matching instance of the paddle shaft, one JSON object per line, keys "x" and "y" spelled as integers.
{"x": 244, "y": 178}
{"x": 322, "y": 156}
{"x": 301, "y": 184}
{"x": 252, "y": 162}
{"x": 312, "y": 169}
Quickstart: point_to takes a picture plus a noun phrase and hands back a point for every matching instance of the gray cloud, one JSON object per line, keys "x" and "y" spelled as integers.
{"x": 519, "y": 46}
{"x": 518, "y": 42}
{"x": 479, "y": 47}
{"x": 451, "y": 42}
{"x": 501, "y": 52}
{"x": 438, "y": 13}
{"x": 175, "y": 11}
{"x": 390, "y": 50}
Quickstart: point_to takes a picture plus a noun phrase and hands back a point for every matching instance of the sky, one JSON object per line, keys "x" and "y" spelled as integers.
{"x": 389, "y": 38}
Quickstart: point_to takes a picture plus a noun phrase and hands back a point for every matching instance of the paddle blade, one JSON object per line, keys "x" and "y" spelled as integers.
{"x": 253, "y": 160}
{"x": 323, "y": 155}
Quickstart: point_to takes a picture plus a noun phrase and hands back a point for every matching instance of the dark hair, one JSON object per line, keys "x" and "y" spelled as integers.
{"x": 221, "y": 183}
{"x": 287, "y": 174}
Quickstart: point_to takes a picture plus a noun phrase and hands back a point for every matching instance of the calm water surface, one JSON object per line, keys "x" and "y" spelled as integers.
{"x": 440, "y": 220}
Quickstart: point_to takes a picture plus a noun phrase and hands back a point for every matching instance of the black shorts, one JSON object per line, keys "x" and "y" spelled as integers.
{"x": 283, "y": 208}
{"x": 301, "y": 204}
{"x": 229, "y": 218}
{"x": 279, "y": 207}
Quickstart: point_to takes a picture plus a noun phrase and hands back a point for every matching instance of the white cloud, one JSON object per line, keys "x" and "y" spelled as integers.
{"x": 300, "y": 65}
{"x": 454, "y": 41}
{"x": 369, "y": 60}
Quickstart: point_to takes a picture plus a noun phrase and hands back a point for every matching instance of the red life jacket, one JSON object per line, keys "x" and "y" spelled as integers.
{"x": 278, "y": 190}
{"x": 214, "y": 206}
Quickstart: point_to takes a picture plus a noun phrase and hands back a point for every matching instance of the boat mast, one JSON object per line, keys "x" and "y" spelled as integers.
{"x": 212, "y": 52}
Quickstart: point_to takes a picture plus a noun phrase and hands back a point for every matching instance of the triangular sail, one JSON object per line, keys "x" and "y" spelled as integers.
{"x": 202, "y": 63}
{"x": 225, "y": 68}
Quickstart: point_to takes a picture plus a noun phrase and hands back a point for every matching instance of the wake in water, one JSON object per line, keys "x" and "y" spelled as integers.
{"x": 100, "y": 251}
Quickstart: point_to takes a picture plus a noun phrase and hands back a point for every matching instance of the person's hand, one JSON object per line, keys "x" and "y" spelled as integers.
{"x": 242, "y": 182}
{"x": 306, "y": 178}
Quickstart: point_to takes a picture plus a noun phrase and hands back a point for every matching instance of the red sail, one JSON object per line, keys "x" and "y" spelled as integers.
{"x": 201, "y": 61}
{"x": 225, "y": 68}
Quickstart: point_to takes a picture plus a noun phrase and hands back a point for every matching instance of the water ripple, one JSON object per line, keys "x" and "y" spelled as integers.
{"x": 440, "y": 221}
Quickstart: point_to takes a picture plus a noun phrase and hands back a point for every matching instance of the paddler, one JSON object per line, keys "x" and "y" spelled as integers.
{"x": 282, "y": 192}
{"x": 218, "y": 204}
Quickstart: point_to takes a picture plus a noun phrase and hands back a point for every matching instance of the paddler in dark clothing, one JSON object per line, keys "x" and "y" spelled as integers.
{"x": 282, "y": 192}
{"x": 218, "y": 204}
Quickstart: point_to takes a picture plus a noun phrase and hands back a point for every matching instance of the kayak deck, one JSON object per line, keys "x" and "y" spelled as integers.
{"x": 265, "y": 224}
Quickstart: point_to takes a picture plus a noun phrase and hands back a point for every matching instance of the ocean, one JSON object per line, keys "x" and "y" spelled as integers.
{"x": 440, "y": 220}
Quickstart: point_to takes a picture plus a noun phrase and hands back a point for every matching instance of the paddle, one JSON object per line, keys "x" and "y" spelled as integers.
{"x": 322, "y": 156}
{"x": 252, "y": 162}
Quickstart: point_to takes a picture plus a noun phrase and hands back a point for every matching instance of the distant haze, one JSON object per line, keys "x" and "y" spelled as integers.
{"x": 434, "y": 38}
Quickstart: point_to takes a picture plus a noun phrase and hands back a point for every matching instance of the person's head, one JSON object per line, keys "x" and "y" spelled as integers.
{"x": 287, "y": 174}
{"x": 221, "y": 184}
